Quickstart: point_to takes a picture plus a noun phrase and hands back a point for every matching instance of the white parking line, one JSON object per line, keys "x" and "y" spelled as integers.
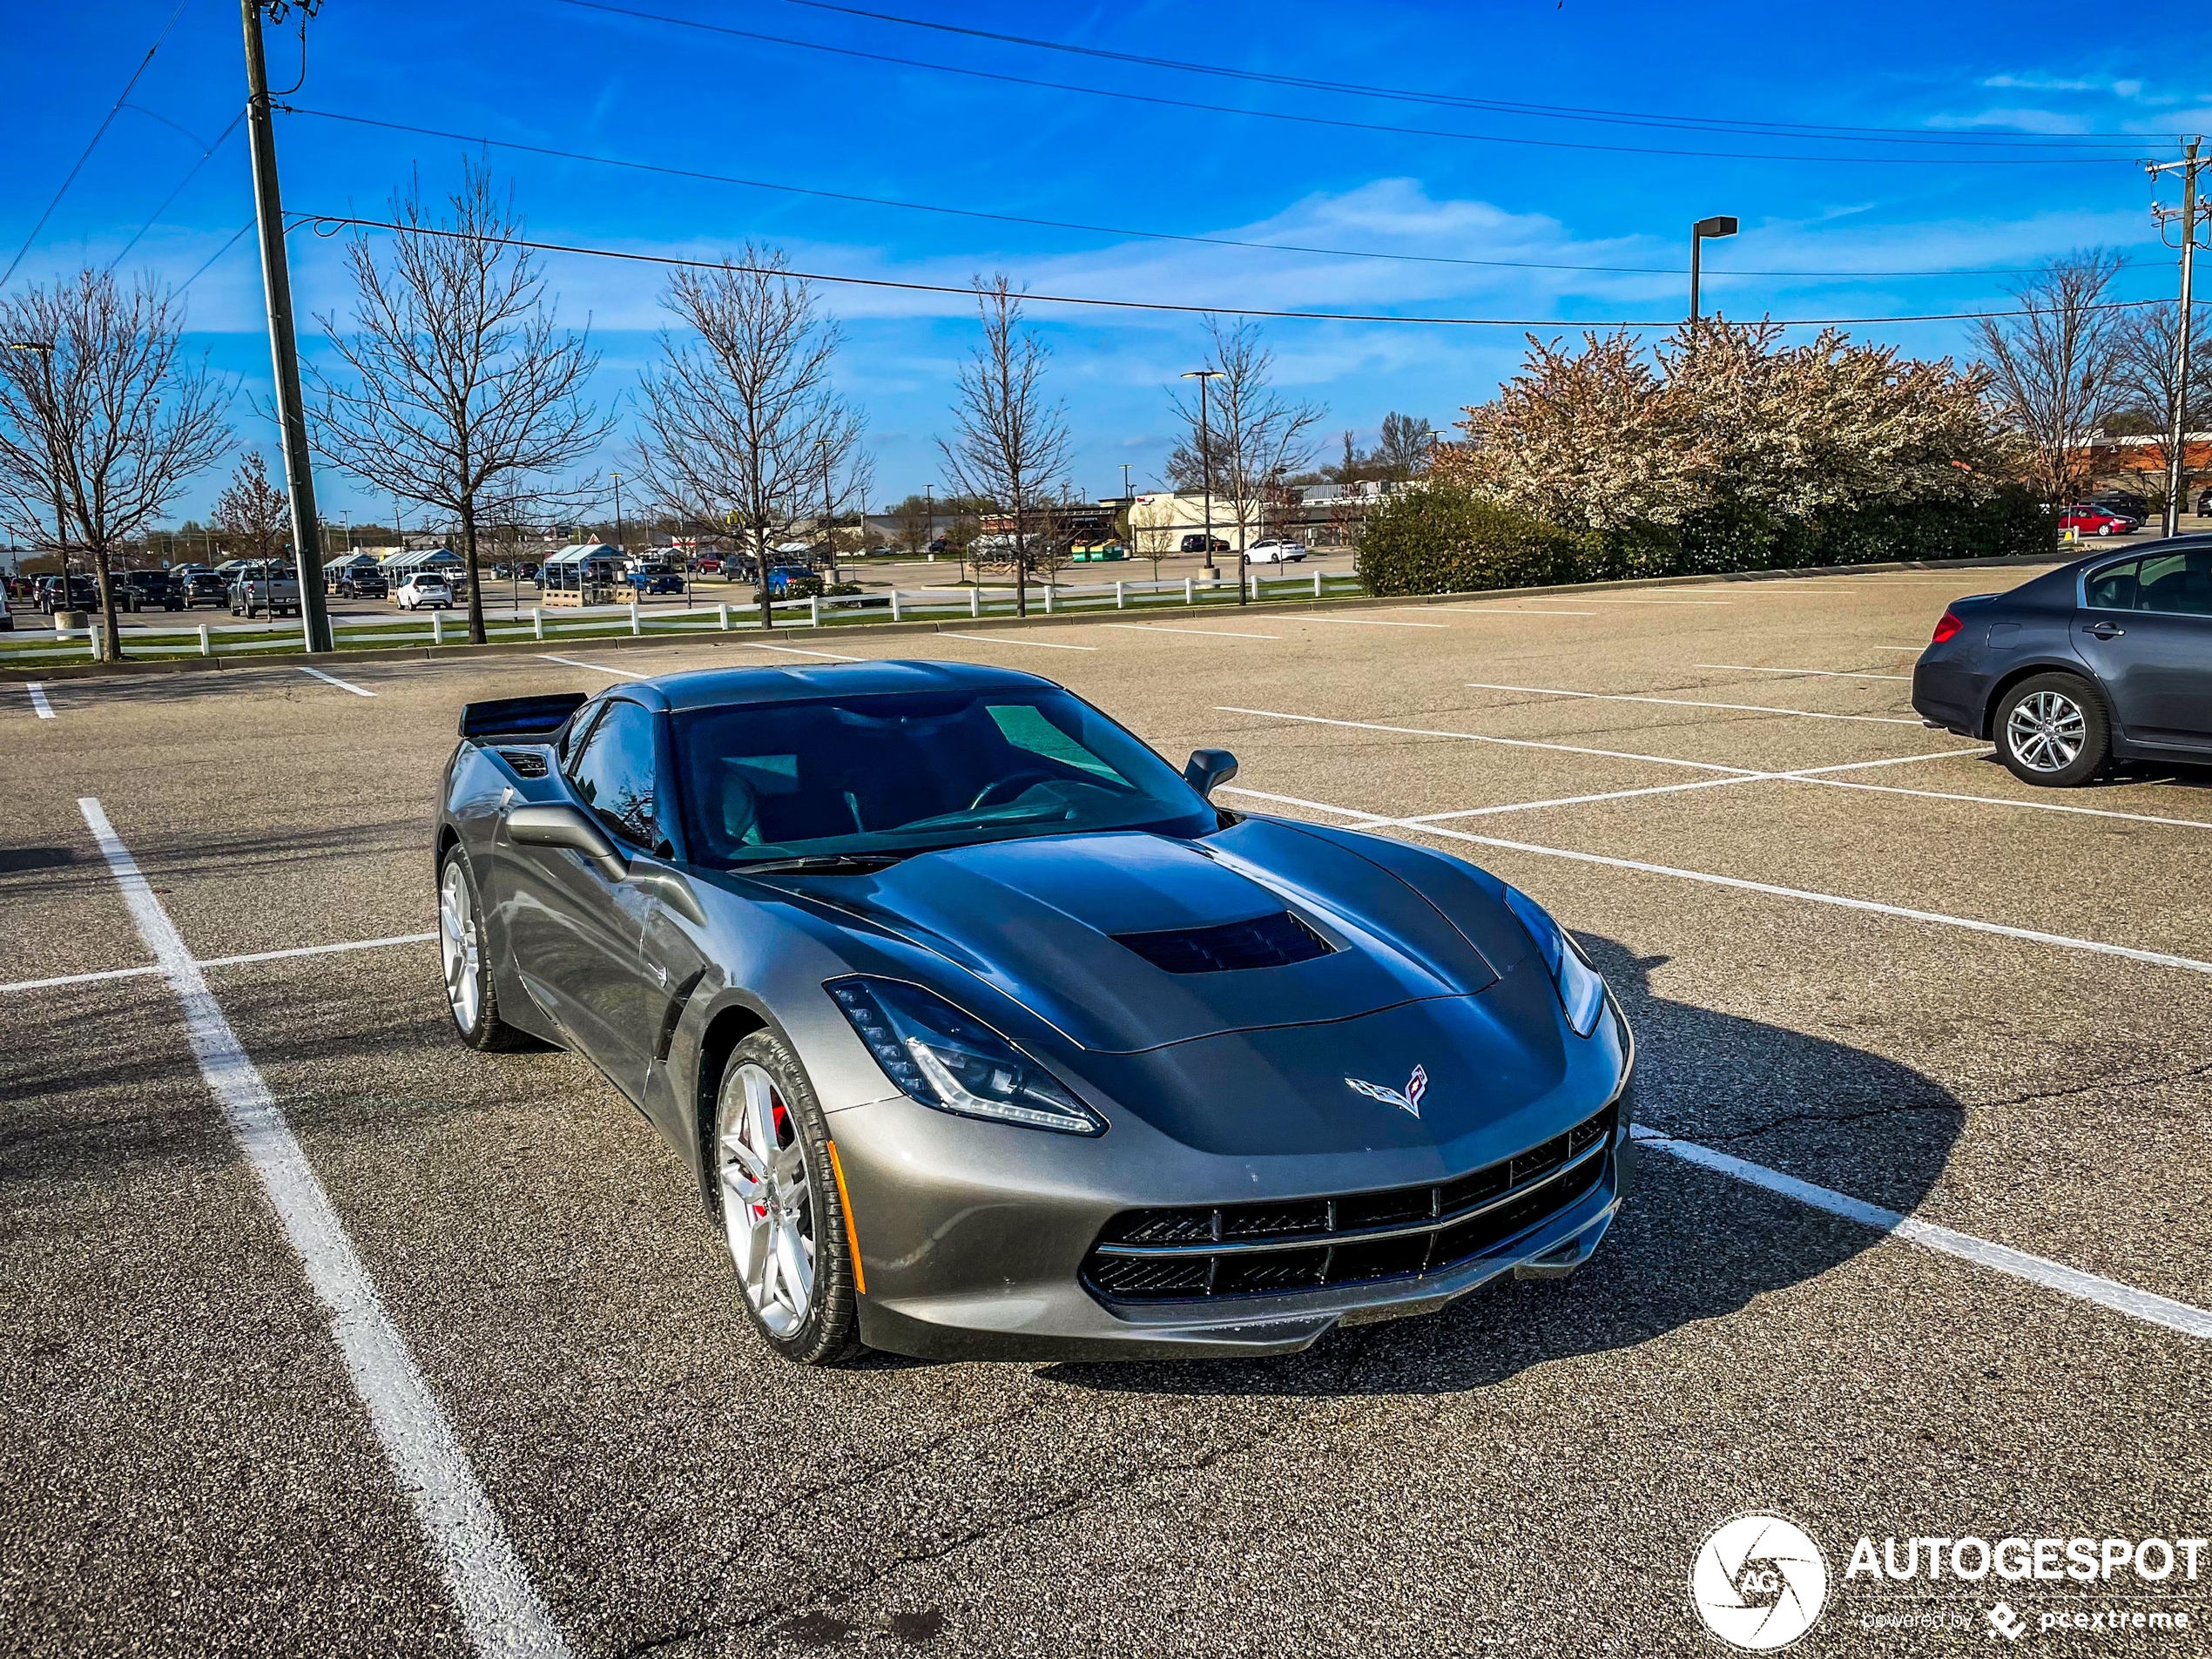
{"x": 1507, "y": 743}
{"x": 2036, "y": 1269}
{"x": 1688, "y": 703}
{"x": 219, "y": 962}
{"x": 1999, "y": 801}
{"x": 1368, "y": 622}
{"x": 499, "y": 1608}
{"x": 1041, "y": 645}
{"x": 597, "y": 668}
{"x": 1584, "y": 598}
{"x": 2062, "y": 941}
{"x": 794, "y": 651}
{"x": 1160, "y": 628}
{"x": 39, "y": 705}
{"x": 1257, "y": 794}
{"x": 333, "y": 679}
{"x": 1820, "y": 673}
{"x": 1502, "y": 611}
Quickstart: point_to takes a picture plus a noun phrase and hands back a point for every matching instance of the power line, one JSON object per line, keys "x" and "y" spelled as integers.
{"x": 106, "y": 122}
{"x": 1071, "y": 225}
{"x": 341, "y": 221}
{"x": 216, "y": 255}
{"x": 1330, "y": 121}
{"x": 154, "y": 217}
{"x": 1556, "y": 111}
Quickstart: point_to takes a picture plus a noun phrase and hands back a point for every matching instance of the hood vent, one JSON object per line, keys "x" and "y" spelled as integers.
{"x": 1266, "y": 941}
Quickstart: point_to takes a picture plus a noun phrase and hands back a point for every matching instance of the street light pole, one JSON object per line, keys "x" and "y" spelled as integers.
{"x": 276, "y": 284}
{"x": 1720, "y": 225}
{"x": 829, "y": 534}
{"x": 1206, "y": 454}
{"x": 45, "y": 351}
{"x": 2176, "y": 473}
{"x": 620, "y": 546}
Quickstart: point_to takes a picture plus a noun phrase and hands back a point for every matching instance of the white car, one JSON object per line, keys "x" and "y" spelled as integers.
{"x": 1273, "y": 552}
{"x": 424, "y": 593}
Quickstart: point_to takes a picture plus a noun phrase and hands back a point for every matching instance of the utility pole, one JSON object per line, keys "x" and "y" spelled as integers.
{"x": 829, "y": 529}
{"x": 276, "y": 284}
{"x": 2177, "y": 435}
{"x": 1206, "y": 454}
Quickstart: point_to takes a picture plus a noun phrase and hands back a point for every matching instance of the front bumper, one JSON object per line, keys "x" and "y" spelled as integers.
{"x": 973, "y": 1241}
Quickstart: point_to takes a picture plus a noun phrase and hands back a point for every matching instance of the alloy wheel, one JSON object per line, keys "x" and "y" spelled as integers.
{"x": 767, "y": 1200}
{"x": 2046, "y": 730}
{"x": 457, "y": 943}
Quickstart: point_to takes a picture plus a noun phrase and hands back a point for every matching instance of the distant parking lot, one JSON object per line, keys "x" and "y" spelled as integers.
{"x": 1917, "y": 1244}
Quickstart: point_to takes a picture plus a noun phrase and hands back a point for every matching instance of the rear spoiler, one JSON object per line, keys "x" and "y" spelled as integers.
{"x": 530, "y": 717}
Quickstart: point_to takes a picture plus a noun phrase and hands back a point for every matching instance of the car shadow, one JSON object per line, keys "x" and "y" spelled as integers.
{"x": 1688, "y": 1245}
{"x": 2122, "y": 774}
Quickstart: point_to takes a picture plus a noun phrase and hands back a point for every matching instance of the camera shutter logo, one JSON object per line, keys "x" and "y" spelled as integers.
{"x": 1758, "y": 1581}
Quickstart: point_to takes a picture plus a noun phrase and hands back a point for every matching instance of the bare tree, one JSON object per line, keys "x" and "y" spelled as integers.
{"x": 2147, "y": 340}
{"x": 741, "y": 424}
{"x": 1408, "y": 444}
{"x": 2054, "y": 370}
{"x": 463, "y": 387}
{"x": 253, "y": 511}
{"x": 1257, "y": 434}
{"x": 1009, "y": 445}
{"x": 102, "y": 422}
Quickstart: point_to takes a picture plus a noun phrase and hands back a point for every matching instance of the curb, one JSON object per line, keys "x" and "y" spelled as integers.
{"x": 962, "y": 624}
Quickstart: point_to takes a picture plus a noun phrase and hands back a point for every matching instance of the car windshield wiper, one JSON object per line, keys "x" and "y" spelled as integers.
{"x": 821, "y": 864}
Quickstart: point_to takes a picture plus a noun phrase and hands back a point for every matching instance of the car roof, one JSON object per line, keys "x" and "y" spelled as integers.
{"x": 714, "y": 688}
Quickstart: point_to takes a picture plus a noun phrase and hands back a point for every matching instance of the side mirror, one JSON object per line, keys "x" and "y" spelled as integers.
{"x": 566, "y": 826}
{"x": 1208, "y": 769}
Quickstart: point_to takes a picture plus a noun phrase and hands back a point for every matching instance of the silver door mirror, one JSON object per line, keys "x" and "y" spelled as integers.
{"x": 566, "y": 826}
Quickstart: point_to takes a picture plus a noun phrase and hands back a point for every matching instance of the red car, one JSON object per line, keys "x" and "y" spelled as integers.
{"x": 2095, "y": 521}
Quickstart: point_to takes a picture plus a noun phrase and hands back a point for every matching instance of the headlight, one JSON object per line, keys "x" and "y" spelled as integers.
{"x": 1581, "y": 992}
{"x": 943, "y": 1058}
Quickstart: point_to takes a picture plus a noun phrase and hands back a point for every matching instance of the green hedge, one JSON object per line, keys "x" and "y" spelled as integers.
{"x": 1444, "y": 539}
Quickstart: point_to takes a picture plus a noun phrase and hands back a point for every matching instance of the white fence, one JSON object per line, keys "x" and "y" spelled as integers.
{"x": 930, "y": 604}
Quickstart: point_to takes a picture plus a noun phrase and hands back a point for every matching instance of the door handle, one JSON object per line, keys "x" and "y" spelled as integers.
{"x": 2104, "y": 630}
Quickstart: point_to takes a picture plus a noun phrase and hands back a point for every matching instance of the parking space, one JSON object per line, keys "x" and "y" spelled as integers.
{"x": 1856, "y": 953}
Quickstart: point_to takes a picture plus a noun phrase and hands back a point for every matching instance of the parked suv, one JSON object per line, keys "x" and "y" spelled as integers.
{"x": 421, "y": 592}
{"x": 1198, "y": 544}
{"x": 190, "y": 589}
{"x": 364, "y": 584}
{"x": 146, "y": 590}
{"x": 83, "y": 593}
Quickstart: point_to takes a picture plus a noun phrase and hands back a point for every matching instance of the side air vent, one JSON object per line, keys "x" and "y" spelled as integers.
{"x": 526, "y": 763}
{"x": 1265, "y": 941}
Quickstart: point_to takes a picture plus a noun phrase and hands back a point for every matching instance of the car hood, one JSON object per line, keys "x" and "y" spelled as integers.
{"x": 1038, "y": 919}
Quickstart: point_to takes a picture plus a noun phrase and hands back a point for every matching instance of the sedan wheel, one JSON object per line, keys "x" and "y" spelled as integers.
{"x": 781, "y": 1210}
{"x": 2053, "y": 731}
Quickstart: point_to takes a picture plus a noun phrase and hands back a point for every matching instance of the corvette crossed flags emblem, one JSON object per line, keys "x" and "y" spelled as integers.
{"x": 1416, "y": 1086}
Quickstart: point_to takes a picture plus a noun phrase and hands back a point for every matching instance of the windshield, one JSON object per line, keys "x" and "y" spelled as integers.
{"x": 906, "y": 772}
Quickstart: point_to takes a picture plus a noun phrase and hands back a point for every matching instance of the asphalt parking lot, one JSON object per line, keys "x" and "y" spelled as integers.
{"x": 1858, "y": 956}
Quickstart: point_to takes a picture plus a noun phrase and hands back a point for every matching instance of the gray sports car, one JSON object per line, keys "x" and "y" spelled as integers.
{"x": 989, "y": 1035}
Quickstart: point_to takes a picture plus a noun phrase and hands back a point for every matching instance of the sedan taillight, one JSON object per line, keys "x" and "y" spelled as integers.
{"x": 1947, "y": 628}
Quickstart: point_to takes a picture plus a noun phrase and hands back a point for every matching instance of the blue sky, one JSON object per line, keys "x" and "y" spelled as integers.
{"x": 875, "y": 119}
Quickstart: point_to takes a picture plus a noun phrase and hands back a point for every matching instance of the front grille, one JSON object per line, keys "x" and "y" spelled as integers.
{"x": 1277, "y": 1247}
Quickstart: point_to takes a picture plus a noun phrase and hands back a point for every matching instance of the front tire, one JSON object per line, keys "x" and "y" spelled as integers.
{"x": 2053, "y": 731}
{"x": 471, "y": 997}
{"x": 780, "y": 1206}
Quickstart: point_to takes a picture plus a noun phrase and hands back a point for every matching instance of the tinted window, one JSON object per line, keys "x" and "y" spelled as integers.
{"x": 614, "y": 772}
{"x": 2176, "y": 581}
{"x": 2114, "y": 587}
{"x": 906, "y": 772}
